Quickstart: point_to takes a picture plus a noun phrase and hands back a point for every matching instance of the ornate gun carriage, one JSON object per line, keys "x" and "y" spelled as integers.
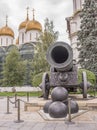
{"x": 63, "y": 71}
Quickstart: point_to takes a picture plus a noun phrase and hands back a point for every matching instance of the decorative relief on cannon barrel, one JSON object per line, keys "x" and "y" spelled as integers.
{"x": 64, "y": 78}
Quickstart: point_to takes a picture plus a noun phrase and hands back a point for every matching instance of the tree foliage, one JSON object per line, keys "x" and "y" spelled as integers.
{"x": 87, "y": 36}
{"x": 28, "y": 72}
{"x": 90, "y": 76}
{"x": 48, "y": 37}
{"x": 13, "y": 69}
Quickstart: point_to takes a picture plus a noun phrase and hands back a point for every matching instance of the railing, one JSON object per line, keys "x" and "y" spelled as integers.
{"x": 17, "y": 104}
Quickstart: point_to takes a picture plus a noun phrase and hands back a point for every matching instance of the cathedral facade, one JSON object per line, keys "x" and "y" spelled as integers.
{"x": 73, "y": 25}
{"x": 29, "y": 32}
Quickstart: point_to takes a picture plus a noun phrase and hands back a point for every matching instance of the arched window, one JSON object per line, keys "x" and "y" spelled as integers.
{"x": 1, "y": 41}
{"x": 36, "y": 36}
{"x": 11, "y": 41}
{"x": 30, "y": 36}
{"x": 6, "y": 41}
{"x": 22, "y": 37}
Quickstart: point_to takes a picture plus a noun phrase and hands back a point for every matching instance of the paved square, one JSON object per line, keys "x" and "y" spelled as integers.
{"x": 34, "y": 121}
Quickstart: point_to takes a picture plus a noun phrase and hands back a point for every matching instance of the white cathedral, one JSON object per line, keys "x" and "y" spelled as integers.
{"x": 29, "y": 32}
{"x": 73, "y": 25}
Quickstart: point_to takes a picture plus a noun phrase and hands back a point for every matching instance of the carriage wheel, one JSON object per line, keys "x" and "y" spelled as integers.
{"x": 45, "y": 85}
{"x": 84, "y": 78}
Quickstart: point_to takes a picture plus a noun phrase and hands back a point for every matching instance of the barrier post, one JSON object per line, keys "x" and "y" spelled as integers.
{"x": 8, "y": 106}
{"x": 18, "y": 113}
{"x": 69, "y": 112}
{"x": 15, "y": 100}
{"x": 27, "y": 96}
{"x": 69, "y": 108}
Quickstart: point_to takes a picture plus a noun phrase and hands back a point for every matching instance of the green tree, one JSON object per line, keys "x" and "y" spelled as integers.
{"x": 87, "y": 36}
{"x": 28, "y": 72}
{"x": 48, "y": 37}
{"x": 13, "y": 69}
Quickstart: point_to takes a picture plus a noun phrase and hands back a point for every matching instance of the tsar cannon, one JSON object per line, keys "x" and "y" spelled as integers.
{"x": 63, "y": 70}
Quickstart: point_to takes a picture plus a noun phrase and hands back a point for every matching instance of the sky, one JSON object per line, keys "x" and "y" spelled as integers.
{"x": 55, "y": 10}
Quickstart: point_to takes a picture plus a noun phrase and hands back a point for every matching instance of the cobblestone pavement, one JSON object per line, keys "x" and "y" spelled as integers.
{"x": 33, "y": 120}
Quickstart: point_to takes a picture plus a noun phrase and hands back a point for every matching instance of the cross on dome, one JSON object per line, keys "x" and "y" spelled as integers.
{"x": 33, "y": 13}
{"x": 6, "y": 20}
{"x": 27, "y": 13}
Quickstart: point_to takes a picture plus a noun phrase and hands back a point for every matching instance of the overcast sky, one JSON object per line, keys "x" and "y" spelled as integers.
{"x": 56, "y": 10}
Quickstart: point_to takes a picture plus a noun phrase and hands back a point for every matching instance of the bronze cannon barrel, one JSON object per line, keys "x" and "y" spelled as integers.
{"x": 60, "y": 56}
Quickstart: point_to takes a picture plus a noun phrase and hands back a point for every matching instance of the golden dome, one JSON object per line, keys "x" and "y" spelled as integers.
{"x": 6, "y": 31}
{"x": 33, "y": 24}
{"x": 24, "y": 23}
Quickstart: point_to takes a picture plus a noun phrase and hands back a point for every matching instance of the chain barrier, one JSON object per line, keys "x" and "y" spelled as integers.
{"x": 18, "y": 113}
{"x": 15, "y": 98}
{"x": 9, "y": 96}
{"x": 13, "y": 102}
{"x": 28, "y": 95}
{"x": 23, "y": 101}
{"x": 18, "y": 108}
{"x": 17, "y": 105}
{"x": 8, "y": 112}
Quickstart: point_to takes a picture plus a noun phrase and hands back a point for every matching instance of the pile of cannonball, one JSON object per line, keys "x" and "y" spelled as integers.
{"x": 58, "y": 106}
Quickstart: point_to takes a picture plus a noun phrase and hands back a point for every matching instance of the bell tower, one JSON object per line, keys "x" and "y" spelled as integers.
{"x": 77, "y": 5}
{"x": 73, "y": 25}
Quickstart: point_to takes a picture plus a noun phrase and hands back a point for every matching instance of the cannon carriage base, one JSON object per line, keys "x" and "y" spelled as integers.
{"x": 47, "y": 85}
{"x": 63, "y": 71}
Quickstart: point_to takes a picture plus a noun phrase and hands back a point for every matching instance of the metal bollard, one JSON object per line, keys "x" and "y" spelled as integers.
{"x": 15, "y": 100}
{"x": 28, "y": 96}
{"x": 8, "y": 106}
{"x": 69, "y": 108}
{"x": 18, "y": 113}
{"x": 69, "y": 112}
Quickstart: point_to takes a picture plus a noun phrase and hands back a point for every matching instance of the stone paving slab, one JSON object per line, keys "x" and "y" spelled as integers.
{"x": 33, "y": 120}
{"x": 47, "y": 117}
{"x": 48, "y": 126}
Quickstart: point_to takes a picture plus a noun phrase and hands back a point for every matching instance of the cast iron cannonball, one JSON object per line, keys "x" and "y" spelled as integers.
{"x": 59, "y": 94}
{"x": 57, "y": 110}
{"x": 74, "y": 107}
{"x": 46, "y": 106}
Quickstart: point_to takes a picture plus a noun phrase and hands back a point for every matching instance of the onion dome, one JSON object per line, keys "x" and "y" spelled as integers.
{"x": 33, "y": 24}
{"x": 24, "y": 23}
{"x": 6, "y": 30}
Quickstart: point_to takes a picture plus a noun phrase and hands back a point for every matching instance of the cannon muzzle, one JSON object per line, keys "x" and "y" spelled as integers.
{"x": 60, "y": 56}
